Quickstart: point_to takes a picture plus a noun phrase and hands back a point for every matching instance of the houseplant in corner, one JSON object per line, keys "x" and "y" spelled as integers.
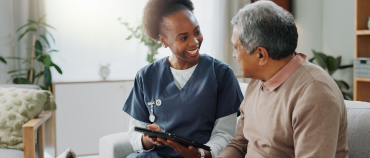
{"x": 40, "y": 53}
{"x": 139, "y": 32}
{"x": 331, "y": 64}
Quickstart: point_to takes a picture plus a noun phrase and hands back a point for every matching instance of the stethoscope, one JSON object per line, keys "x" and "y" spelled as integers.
{"x": 158, "y": 102}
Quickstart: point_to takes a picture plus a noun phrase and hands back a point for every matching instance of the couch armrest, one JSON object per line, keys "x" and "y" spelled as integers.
{"x": 115, "y": 146}
{"x": 29, "y": 130}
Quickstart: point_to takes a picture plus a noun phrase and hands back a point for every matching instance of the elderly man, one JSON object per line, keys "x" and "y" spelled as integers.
{"x": 291, "y": 108}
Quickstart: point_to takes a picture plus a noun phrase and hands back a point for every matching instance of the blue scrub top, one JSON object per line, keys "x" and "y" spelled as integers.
{"x": 211, "y": 92}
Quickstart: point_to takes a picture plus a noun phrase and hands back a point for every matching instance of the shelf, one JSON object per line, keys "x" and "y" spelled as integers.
{"x": 363, "y": 79}
{"x": 363, "y": 32}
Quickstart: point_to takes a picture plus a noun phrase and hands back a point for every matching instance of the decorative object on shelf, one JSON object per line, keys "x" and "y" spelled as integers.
{"x": 362, "y": 67}
{"x": 139, "y": 32}
{"x": 331, "y": 64}
{"x": 39, "y": 53}
{"x": 2, "y": 60}
{"x": 104, "y": 71}
{"x": 368, "y": 23}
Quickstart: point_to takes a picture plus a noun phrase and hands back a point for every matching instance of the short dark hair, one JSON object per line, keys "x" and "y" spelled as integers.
{"x": 156, "y": 10}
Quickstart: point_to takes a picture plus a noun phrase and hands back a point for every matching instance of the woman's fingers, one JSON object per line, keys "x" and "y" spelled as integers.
{"x": 154, "y": 127}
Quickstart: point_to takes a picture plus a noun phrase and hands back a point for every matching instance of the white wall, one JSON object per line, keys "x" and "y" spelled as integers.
{"x": 339, "y": 35}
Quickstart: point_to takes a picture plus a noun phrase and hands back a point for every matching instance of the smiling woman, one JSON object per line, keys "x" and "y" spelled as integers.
{"x": 90, "y": 36}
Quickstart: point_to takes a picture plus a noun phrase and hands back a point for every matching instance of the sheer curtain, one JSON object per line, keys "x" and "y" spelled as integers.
{"x": 14, "y": 14}
{"x": 89, "y": 35}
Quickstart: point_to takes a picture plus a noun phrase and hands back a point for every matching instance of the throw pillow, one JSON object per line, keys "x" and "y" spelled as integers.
{"x": 18, "y": 106}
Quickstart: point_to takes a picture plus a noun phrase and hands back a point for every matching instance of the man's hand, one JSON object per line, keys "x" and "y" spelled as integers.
{"x": 190, "y": 152}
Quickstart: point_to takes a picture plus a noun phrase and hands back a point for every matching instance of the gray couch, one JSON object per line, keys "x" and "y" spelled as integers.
{"x": 358, "y": 115}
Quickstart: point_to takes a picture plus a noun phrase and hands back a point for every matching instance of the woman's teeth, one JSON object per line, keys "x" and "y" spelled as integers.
{"x": 192, "y": 52}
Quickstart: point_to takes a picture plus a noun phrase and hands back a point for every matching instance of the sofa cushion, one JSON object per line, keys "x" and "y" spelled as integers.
{"x": 358, "y": 115}
{"x": 17, "y": 106}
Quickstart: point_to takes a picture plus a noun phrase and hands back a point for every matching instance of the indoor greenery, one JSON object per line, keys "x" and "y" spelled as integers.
{"x": 2, "y": 60}
{"x": 139, "y": 32}
{"x": 39, "y": 52}
{"x": 331, "y": 64}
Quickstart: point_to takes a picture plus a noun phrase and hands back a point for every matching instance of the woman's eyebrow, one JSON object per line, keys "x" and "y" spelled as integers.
{"x": 196, "y": 28}
{"x": 185, "y": 33}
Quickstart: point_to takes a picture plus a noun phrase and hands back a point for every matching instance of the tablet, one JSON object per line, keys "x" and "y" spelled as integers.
{"x": 164, "y": 135}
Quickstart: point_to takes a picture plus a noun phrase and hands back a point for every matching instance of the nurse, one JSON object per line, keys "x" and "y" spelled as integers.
{"x": 188, "y": 94}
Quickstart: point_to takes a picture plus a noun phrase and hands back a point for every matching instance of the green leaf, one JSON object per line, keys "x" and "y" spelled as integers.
{"x": 33, "y": 75}
{"x": 311, "y": 60}
{"x": 29, "y": 23}
{"x": 342, "y": 84}
{"x": 346, "y": 66}
{"x": 17, "y": 75}
{"x": 18, "y": 58}
{"x": 47, "y": 77}
{"x": 38, "y": 47}
{"x": 51, "y": 36}
{"x": 48, "y": 25}
{"x": 38, "y": 22}
{"x": 36, "y": 50}
{"x": 119, "y": 19}
{"x": 338, "y": 60}
{"x": 125, "y": 23}
{"x": 46, "y": 40}
{"x": 44, "y": 88}
{"x": 13, "y": 71}
{"x": 53, "y": 51}
{"x": 21, "y": 80}
{"x": 3, "y": 60}
{"x": 57, "y": 68}
{"x": 321, "y": 59}
{"x": 47, "y": 61}
{"x": 39, "y": 74}
{"x": 331, "y": 65}
{"x": 129, "y": 37}
{"x": 28, "y": 30}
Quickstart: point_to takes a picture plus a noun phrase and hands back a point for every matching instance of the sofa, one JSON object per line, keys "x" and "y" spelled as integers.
{"x": 358, "y": 114}
{"x": 34, "y": 133}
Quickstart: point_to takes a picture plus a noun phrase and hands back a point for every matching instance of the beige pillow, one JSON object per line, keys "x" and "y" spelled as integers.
{"x": 17, "y": 106}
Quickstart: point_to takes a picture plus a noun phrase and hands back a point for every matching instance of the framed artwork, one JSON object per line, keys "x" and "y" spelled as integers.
{"x": 286, "y": 4}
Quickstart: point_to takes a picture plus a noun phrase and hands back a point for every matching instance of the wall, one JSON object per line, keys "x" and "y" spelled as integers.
{"x": 339, "y": 35}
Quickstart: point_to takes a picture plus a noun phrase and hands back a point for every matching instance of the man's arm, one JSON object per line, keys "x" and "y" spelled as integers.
{"x": 316, "y": 120}
{"x": 237, "y": 148}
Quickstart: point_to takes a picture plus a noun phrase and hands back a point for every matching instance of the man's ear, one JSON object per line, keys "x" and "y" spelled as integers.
{"x": 263, "y": 55}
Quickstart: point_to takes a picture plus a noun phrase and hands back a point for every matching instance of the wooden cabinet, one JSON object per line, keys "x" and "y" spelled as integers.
{"x": 362, "y": 48}
{"x": 87, "y": 111}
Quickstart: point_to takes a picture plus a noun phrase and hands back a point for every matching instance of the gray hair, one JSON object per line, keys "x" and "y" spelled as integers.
{"x": 265, "y": 24}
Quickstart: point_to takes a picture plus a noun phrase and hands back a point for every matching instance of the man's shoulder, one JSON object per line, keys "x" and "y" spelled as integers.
{"x": 311, "y": 74}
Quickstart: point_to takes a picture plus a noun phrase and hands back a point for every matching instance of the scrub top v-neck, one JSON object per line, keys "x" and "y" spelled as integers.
{"x": 211, "y": 92}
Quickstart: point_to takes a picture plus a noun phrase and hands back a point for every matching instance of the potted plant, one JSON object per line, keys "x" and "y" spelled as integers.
{"x": 40, "y": 52}
{"x": 331, "y": 64}
{"x": 139, "y": 32}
